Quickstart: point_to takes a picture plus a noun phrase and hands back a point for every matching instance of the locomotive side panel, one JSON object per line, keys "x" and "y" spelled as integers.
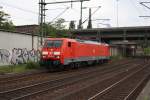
{"x": 86, "y": 52}
{"x": 69, "y": 52}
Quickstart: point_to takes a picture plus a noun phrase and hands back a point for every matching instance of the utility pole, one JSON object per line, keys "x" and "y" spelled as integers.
{"x": 42, "y": 8}
{"x": 42, "y": 15}
{"x": 90, "y": 20}
{"x": 80, "y": 21}
{"x": 41, "y": 24}
{"x": 99, "y": 33}
{"x": 91, "y": 14}
{"x": 44, "y": 26}
{"x": 42, "y": 11}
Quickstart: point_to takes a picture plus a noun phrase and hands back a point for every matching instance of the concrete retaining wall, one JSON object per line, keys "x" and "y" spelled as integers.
{"x": 17, "y": 48}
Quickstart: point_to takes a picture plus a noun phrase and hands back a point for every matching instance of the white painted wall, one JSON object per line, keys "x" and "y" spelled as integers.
{"x": 9, "y": 40}
{"x": 23, "y": 48}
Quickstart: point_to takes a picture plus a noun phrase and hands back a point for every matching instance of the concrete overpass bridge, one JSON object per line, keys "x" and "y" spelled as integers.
{"x": 123, "y": 37}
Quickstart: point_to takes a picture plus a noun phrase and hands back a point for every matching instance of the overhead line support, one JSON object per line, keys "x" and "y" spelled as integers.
{"x": 143, "y": 3}
{"x": 67, "y": 1}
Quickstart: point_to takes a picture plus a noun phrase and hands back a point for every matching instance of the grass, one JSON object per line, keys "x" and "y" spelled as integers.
{"x": 115, "y": 58}
{"x": 146, "y": 98}
{"x": 18, "y": 68}
{"x": 147, "y": 51}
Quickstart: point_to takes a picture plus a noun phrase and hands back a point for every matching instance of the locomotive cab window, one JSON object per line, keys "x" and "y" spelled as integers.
{"x": 69, "y": 44}
{"x": 53, "y": 43}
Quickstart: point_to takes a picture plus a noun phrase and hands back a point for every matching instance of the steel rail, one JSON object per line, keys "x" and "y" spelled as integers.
{"x": 115, "y": 84}
{"x": 42, "y": 91}
{"x": 45, "y": 83}
{"x": 137, "y": 86}
{"x": 18, "y": 76}
{"x": 68, "y": 77}
{"x": 61, "y": 85}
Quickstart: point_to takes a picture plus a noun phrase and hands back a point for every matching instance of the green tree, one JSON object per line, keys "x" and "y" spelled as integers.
{"x": 56, "y": 29}
{"x": 72, "y": 25}
{"x": 59, "y": 24}
{"x": 5, "y": 23}
{"x": 50, "y": 30}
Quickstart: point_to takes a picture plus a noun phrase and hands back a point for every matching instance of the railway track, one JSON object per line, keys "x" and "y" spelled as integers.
{"x": 28, "y": 92}
{"x": 16, "y": 82}
{"x": 15, "y": 77}
{"x": 122, "y": 87}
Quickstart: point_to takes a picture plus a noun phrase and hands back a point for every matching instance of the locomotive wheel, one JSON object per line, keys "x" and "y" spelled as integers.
{"x": 72, "y": 65}
{"x": 77, "y": 65}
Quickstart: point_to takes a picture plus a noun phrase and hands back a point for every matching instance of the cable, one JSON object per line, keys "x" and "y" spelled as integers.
{"x": 107, "y": 25}
{"x": 63, "y": 4}
{"x": 92, "y": 14}
{"x": 20, "y": 18}
{"x": 140, "y": 13}
{"x": 136, "y": 8}
{"x": 57, "y": 9}
{"x": 25, "y": 10}
{"x": 144, "y": 4}
{"x": 24, "y": 19}
{"x": 60, "y": 14}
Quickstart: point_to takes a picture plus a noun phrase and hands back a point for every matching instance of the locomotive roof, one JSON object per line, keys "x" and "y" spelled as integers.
{"x": 91, "y": 42}
{"x": 78, "y": 40}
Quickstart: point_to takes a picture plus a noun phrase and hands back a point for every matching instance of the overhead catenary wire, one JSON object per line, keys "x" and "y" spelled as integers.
{"x": 144, "y": 4}
{"x": 30, "y": 11}
{"x": 59, "y": 14}
{"x": 26, "y": 10}
{"x": 63, "y": 4}
{"x": 33, "y": 12}
{"x": 19, "y": 8}
{"x": 56, "y": 9}
{"x": 103, "y": 19}
{"x": 19, "y": 17}
{"x": 136, "y": 8}
{"x": 92, "y": 14}
{"x": 66, "y": 1}
{"x": 25, "y": 19}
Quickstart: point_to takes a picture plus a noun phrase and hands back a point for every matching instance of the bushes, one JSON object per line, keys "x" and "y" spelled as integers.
{"x": 147, "y": 51}
{"x": 118, "y": 57}
{"x": 13, "y": 68}
{"x": 32, "y": 65}
{"x": 19, "y": 68}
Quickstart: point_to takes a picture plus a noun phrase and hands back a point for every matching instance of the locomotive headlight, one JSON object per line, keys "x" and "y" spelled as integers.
{"x": 44, "y": 53}
{"x": 56, "y": 53}
{"x": 58, "y": 57}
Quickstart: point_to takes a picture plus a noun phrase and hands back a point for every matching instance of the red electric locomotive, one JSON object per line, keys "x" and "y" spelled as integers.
{"x": 65, "y": 51}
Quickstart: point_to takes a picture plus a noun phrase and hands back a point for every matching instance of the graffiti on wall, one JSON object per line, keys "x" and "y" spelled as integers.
{"x": 18, "y": 56}
{"x": 4, "y": 56}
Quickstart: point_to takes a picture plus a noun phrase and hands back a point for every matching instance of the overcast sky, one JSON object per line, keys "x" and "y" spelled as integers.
{"x": 25, "y": 12}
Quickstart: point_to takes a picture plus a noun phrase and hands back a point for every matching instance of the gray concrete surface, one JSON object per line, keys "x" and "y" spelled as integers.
{"x": 145, "y": 94}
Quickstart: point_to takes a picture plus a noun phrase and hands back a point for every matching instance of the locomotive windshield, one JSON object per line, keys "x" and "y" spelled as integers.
{"x": 53, "y": 43}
